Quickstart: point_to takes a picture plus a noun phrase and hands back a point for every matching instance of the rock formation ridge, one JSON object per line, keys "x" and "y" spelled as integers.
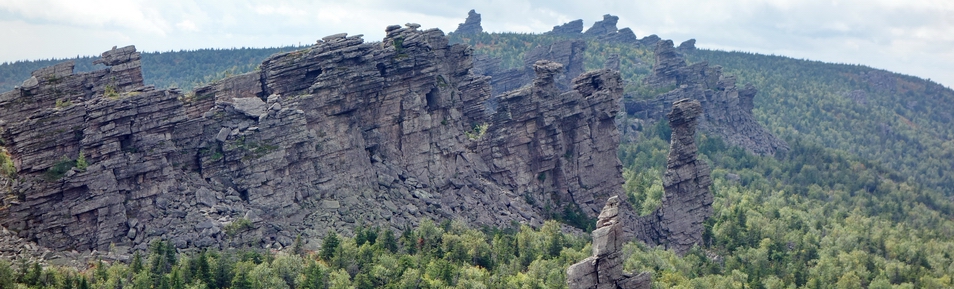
{"x": 317, "y": 140}
{"x": 727, "y": 110}
{"x": 604, "y": 30}
{"x": 605, "y": 268}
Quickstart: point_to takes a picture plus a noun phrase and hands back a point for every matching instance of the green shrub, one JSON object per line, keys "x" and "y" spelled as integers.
{"x": 63, "y": 103}
{"x": 110, "y": 92}
{"x": 6, "y": 164}
{"x": 81, "y": 162}
{"x": 237, "y": 226}
{"x": 59, "y": 169}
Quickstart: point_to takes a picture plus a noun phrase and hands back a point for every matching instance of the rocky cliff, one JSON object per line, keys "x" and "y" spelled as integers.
{"x": 318, "y": 140}
{"x": 727, "y": 109}
{"x": 687, "y": 202}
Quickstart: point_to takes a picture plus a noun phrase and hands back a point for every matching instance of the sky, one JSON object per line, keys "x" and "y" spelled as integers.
{"x": 914, "y": 37}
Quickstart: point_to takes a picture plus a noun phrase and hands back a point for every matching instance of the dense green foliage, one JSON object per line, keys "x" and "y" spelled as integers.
{"x": 813, "y": 218}
{"x": 448, "y": 255}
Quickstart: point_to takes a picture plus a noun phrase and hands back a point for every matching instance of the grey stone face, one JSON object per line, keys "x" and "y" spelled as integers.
{"x": 318, "y": 140}
{"x": 687, "y": 202}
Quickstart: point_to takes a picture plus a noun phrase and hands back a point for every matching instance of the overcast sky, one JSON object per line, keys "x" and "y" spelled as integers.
{"x": 912, "y": 37}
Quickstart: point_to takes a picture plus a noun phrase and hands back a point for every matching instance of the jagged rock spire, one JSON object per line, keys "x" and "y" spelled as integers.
{"x": 678, "y": 223}
{"x": 471, "y": 25}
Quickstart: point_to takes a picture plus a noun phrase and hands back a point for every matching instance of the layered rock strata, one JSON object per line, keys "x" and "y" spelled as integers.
{"x": 687, "y": 202}
{"x": 571, "y": 144}
{"x": 471, "y": 25}
{"x": 605, "y": 268}
{"x": 322, "y": 139}
{"x": 727, "y": 109}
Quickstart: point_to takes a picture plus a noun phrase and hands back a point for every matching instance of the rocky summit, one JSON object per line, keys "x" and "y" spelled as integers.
{"x": 604, "y": 31}
{"x": 322, "y": 139}
{"x": 471, "y": 25}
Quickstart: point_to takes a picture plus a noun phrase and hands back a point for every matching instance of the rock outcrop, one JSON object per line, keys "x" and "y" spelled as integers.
{"x": 603, "y": 27}
{"x": 687, "y": 202}
{"x": 605, "y": 268}
{"x": 727, "y": 110}
{"x": 625, "y": 36}
{"x": 471, "y": 25}
{"x": 569, "y": 53}
{"x": 571, "y": 28}
{"x": 317, "y": 140}
{"x": 649, "y": 41}
{"x": 688, "y": 45}
{"x": 572, "y": 139}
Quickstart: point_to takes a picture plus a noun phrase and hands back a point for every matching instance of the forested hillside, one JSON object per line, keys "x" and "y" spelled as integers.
{"x": 902, "y": 122}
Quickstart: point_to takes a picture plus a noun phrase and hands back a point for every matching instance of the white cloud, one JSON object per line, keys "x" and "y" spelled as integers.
{"x": 96, "y": 15}
{"x": 187, "y": 25}
{"x": 906, "y": 36}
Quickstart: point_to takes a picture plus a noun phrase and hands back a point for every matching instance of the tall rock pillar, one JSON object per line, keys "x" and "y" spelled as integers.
{"x": 687, "y": 202}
